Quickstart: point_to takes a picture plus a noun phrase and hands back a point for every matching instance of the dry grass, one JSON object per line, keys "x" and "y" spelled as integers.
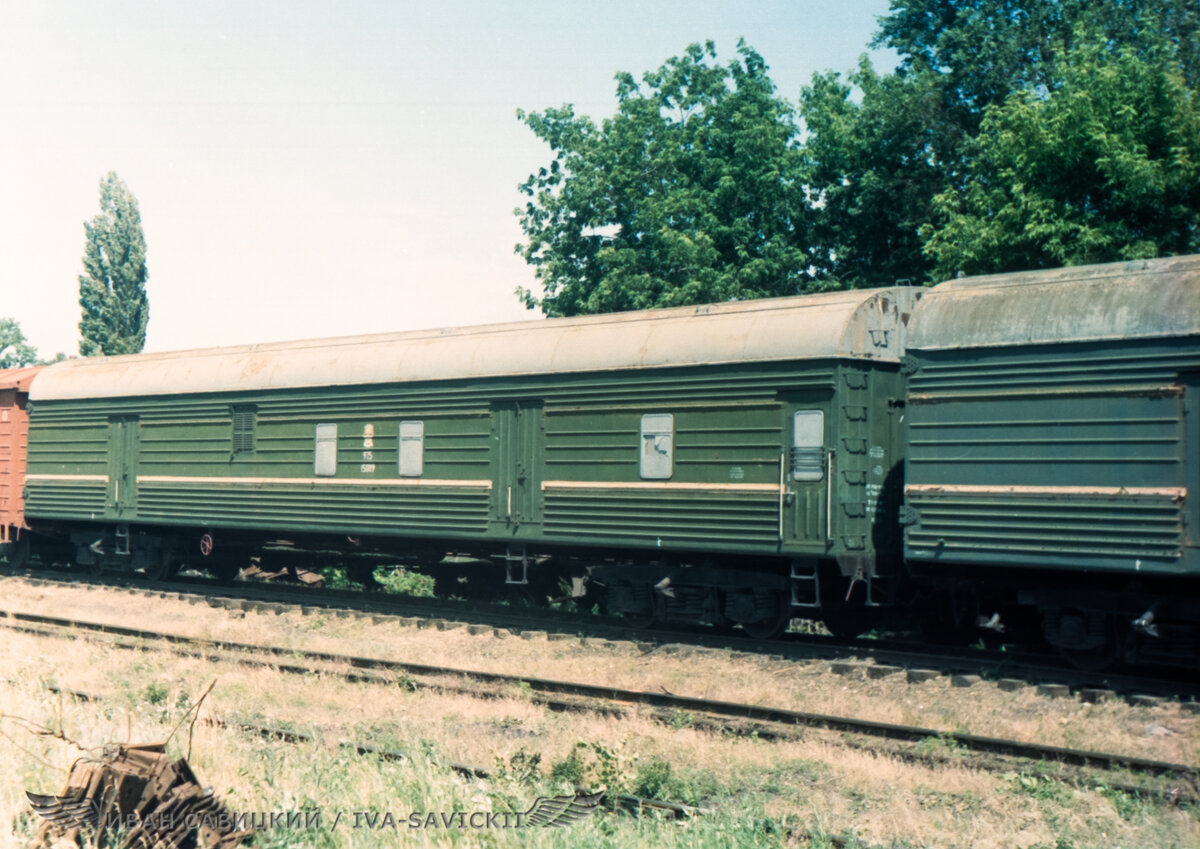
{"x": 1162, "y": 732}
{"x": 815, "y": 782}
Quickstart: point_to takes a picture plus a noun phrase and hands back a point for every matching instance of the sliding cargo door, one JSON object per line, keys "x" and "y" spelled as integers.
{"x": 518, "y": 440}
{"x": 123, "y": 444}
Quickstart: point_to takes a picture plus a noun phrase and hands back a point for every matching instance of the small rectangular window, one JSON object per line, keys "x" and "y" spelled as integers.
{"x": 412, "y": 449}
{"x": 808, "y": 445}
{"x": 325, "y": 458}
{"x": 658, "y": 450}
{"x": 243, "y": 430}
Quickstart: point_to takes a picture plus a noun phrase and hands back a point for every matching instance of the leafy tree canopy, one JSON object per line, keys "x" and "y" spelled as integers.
{"x": 988, "y": 49}
{"x": 911, "y": 175}
{"x": 15, "y": 350}
{"x": 873, "y": 165}
{"x": 1014, "y": 134}
{"x": 1100, "y": 164}
{"x": 690, "y": 193}
{"x": 112, "y": 288}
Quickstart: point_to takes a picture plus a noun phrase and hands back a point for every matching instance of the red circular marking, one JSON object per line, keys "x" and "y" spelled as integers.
{"x": 206, "y": 544}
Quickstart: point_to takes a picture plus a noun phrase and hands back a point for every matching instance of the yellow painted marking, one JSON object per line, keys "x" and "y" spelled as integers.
{"x": 653, "y": 485}
{"x": 970, "y": 489}
{"x": 485, "y": 484}
{"x": 90, "y": 478}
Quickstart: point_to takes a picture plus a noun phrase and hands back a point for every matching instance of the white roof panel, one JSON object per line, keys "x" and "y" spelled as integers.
{"x": 868, "y": 324}
{"x": 1119, "y": 300}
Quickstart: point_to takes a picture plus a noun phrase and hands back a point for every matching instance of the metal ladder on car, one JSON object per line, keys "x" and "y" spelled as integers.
{"x": 881, "y": 590}
{"x": 512, "y": 556}
{"x": 805, "y": 584}
{"x": 121, "y": 536}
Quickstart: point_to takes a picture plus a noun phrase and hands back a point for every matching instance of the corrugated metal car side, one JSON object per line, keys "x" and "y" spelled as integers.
{"x": 730, "y": 485}
{"x": 1071, "y": 455}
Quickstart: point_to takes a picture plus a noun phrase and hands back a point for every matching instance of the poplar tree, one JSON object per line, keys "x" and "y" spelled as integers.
{"x": 112, "y": 288}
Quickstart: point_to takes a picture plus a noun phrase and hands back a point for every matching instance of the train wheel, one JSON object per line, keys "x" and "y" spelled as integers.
{"x": 774, "y": 625}
{"x": 225, "y": 571}
{"x": 1087, "y": 639}
{"x": 641, "y": 619}
{"x": 18, "y": 554}
{"x": 847, "y": 624}
{"x": 365, "y": 575}
{"x": 163, "y": 570}
{"x": 1091, "y": 660}
{"x": 636, "y": 602}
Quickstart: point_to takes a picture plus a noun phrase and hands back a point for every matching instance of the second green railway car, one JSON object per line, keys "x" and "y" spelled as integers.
{"x": 1053, "y": 428}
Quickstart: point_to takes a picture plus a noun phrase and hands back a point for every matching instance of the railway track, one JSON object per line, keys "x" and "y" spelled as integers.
{"x": 885, "y": 656}
{"x": 1174, "y": 782}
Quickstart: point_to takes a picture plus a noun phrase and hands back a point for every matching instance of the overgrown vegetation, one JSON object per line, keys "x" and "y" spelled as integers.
{"x": 395, "y": 579}
{"x": 398, "y": 579}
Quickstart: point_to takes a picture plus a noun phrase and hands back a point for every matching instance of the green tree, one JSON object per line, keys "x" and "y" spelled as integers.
{"x": 690, "y": 193}
{"x": 112, "y": 289}
{"x": 891, "y": 158}
{"x": 988, "y": 49}
{"x": 1102, "y": 163}
{"x": 873, "y": 164}
{"x": 15, "y": 350}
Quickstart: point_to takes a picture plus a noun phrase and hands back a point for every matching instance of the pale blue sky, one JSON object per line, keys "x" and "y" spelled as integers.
{"x": 318, "y": 168}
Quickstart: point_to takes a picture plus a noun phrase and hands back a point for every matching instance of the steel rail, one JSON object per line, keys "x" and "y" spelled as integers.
{"x": 1035, "y": 669}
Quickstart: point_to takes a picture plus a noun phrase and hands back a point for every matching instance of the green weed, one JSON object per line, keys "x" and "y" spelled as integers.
{"x": 398, "y": 579}
{"x": 572, "y": 769}
{"x": 522, "y": 767}
{"x": 653, "y": 779}
{"x": 1129, "y": 806}
{"x": 155, "y": 694}
{"x": 1040, "y": 787}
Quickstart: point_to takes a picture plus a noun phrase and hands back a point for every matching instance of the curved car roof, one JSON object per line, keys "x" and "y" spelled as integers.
{"x": 862, "y": 324}
{"x": 18, "y": 378}
{"x": 1120, "y": 300}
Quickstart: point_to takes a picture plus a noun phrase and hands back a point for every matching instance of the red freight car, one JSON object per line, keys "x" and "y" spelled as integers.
{"x": 14, "y": 437}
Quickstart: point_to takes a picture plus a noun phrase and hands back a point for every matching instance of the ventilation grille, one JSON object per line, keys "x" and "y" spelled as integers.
{"x": 243, "y": 431}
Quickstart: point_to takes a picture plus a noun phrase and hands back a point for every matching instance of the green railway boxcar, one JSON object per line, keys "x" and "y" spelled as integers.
{"x": 688, "y": 457}
{"x": 1052, "y": 432}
